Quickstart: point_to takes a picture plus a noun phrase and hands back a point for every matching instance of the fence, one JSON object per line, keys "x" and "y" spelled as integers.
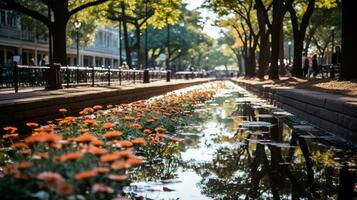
{"x": 70, "y": 76}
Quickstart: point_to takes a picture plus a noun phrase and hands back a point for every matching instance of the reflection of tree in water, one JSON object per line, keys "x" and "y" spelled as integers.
{"x": 162, "y": 165}
{"x": 265, "y": 170}
{"x": 220, "y": 177}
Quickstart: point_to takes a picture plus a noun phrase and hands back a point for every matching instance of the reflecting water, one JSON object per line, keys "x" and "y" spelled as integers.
{"x": 240, "y": 147}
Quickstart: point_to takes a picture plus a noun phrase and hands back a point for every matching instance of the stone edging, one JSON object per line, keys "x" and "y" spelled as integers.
{"x": 334, "y": 113}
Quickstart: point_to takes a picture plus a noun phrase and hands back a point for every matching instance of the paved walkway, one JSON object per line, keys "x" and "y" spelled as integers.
{"x": 26, "y": 95}
{"x": 332, "y": 112}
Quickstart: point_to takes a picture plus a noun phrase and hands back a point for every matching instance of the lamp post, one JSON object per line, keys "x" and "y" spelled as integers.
{"x": 206, "y": 65}
{"x": 77, "y": 25}
{"x": 332, "y": 41}
{"x": 289, "y": 44}
{"x": 179, "y": 60}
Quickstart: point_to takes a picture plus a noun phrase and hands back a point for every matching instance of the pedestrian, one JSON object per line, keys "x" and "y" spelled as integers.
{"x": 306, "y": 65}
{"x": 315, "y": 65}
{"x": 336, "y": 61}
{"x": 125, "y": 66}
{"x": 32, "y": 62}
{"x": 43, "y": 61}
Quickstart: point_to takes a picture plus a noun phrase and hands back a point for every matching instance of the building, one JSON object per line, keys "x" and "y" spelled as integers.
{"x": 19, "y": 38}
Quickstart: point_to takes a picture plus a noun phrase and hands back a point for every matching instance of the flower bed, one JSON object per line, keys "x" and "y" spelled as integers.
{"x": 89, "y": 157}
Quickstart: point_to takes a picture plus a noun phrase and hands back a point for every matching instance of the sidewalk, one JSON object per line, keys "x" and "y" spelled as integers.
{"x": 332, "y": 112}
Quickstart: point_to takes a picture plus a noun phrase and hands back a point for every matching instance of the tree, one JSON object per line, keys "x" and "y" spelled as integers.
{"x": 138, "y": 15}
{"x": 242, "y": 19}
{"x": 348, "y": 69}
{"x": 299, "y": 31}
{"x": 62, "y": 11}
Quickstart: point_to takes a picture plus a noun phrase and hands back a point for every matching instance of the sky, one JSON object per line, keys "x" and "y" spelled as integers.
{"x": 209, "y": 29}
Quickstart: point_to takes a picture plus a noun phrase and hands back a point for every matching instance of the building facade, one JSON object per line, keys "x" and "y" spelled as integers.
{"x": 17, "y": 39}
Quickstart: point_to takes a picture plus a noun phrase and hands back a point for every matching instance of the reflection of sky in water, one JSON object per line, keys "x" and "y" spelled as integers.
{"x": 215, "y": 157}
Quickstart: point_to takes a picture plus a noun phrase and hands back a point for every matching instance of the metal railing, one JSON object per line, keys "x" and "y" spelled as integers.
{"x": 15, "y": 76}
{"x": 19, "y": 76}
{"x": 189, "y": 75}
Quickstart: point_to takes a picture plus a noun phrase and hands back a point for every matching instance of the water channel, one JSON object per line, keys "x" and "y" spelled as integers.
{"x": 240, "y": 147}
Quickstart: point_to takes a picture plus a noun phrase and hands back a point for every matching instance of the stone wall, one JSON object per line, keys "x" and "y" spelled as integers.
{"x": 333, "y": 113}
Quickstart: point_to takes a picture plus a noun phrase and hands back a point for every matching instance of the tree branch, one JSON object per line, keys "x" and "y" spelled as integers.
{"x": 87, "y": 5}
{"x": 12, "y": 5}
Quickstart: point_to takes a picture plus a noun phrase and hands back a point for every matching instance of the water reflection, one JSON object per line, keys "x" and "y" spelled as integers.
{"x": 238, "y": 147}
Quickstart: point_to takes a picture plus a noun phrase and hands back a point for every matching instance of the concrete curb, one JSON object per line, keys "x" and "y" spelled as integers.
{"x": 334, "y": 113}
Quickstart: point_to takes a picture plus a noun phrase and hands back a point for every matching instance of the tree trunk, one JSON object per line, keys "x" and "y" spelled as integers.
{"x": 126, "y": 37}
{"x": 59, "y": 41}
{"x": 264, "y": 55}
{"x": 281, "y": 53}
{"x": 278, "y": 13}
{"x": 138, "y": 46}
{"x": 298, "y": 48}
{"x": 264, "y": 51}
{"x": 251, "y": 64}
{"x": 349, "y": 42}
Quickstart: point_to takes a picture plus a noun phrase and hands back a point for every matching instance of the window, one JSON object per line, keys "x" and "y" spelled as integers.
{"x": 2, "y": 17}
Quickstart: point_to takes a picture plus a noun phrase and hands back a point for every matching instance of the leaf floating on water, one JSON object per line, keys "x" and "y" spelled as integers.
{"x": 284, "y": 113}
{"x": 264, "y": 116}
{"x": 255, "y": 124}
{"x": 280, "y": 145}
{"x": 304, "y": 127}
{"x": 254, "y": 141}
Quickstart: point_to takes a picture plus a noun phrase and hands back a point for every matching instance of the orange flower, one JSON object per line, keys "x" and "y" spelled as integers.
{"x": 112, "y": 134}
{"x": 43, "y": 137}
{"x": 124, "y": 154}
{"x": 124, "y": 143}
{"x": 90, "y": 122}
{"x": 85, "y": 175}
{"x": 11, "y": 129}
{"x": 50, "y": 178}
{"x": 150, "y": 120}
{"x": 109, "y": 157}
{"x": 97, "y": 151}
{"x": 108, "y": 125}
{"x": 120, "y": 164}
{"x": 23, "y": 165}
{"x": 135, "y": 161}
{"x": 118, "y": 177}
{"x": 32, "y": 124}
{"x": 97, "y": 142}
{"x": 139, "y": 141}
{"x": 19, "y": 145}
{"x": 136, "y": 126}
{"x": 12, "y": 135}
{"x": 160, "y": 129}
{"x": 71, "y": 156}
{"x": 97, "y": 107}
{"x": 128, "y": 118}
{"x": 109, "y": 106}
{"x": 64, "y": 189}
{"x": 101, "y": 188}
{"x": 147, "y": 131}
{"x": 159, "y": 135}
{"x": 176, "y": 139}
{"x": 62, "y": 110}
{"x": 101, "y": 170}
{"x": 86, "y": 137}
